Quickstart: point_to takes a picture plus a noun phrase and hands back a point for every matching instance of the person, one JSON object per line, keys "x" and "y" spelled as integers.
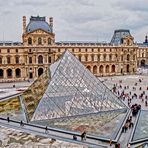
{"x": 110, "y": 142}
{"x": 123, "y": 129}
{"x": 8, "y": 119}
{"x": 74, "y": 137}
{"x": 116, "y": 145}
{"x": 128, "y": 145}
{"x": 145, "y": 102}
{"x": 21, "y": 123}
{"x": 126, "y": 127}
{"x": 46, "y": 129}
{"x": 83, "y": 136}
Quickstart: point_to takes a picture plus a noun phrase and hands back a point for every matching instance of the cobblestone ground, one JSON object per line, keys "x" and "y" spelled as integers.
{"x": 130, "y": 85}
{"x": 129, "y": 81}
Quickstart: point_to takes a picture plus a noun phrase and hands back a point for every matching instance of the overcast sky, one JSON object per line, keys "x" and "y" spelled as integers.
{"x": 77, "y": 20}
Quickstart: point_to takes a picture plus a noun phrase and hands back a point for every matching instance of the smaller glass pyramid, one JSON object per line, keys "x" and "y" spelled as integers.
{"x": 34, "y": 93}
{"x": 141, "y": 129}
{"x": 11, "y": 107}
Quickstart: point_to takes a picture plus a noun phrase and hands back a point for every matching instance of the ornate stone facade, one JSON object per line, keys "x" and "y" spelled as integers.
{"x": 29, "y": 59}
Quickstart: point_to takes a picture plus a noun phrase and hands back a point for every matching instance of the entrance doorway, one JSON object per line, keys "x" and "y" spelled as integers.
{"x": 142, "y": 63}
{"x": 30, "y": 75}
{"x": 40, "y": 71}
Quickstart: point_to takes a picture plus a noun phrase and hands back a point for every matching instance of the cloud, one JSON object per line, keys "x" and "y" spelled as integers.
{"x": 132, "y": 5}
{"x": 77, "y": 19}
{"x": 31, "y": 3}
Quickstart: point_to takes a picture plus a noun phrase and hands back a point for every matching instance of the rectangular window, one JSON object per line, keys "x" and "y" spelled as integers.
{"x": 49, "y": 59}
{"x": 30, "y": 60}
{"x": 17, "y": 60}
{"x": 8, "y": 60}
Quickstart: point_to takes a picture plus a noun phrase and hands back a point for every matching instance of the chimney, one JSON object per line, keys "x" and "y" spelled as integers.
{"x": 24, "y": 24}
{"x": 51, "y": 22}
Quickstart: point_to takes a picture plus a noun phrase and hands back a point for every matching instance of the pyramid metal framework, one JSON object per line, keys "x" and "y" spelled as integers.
{"x": 73, "y": 91}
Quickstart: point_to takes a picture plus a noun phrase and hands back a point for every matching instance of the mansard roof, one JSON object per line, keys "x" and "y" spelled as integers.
{"x": 38, "y": 23}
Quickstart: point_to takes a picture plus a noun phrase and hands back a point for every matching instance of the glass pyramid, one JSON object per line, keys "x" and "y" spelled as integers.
{"x": 11, "y": 107}
{"x": 141, "y": 129}
{"x": 144, "y": 145}
{"x": 73, "y": 91}
{"x": 32, "y": 96}
{"x": 70, "y": 97}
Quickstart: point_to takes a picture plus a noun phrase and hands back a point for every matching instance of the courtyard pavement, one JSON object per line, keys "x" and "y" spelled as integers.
{"x": 131, "y": 84}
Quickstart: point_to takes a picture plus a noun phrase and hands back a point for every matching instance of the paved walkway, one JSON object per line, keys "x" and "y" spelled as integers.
{"x": 17, "y": 84}
{"x": 58, "y": 134}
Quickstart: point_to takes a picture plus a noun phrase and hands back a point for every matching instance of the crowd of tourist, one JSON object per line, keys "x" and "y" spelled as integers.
{"x": 129, "y": 94}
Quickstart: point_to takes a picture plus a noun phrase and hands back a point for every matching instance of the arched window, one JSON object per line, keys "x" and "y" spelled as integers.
{"x": 143, "y": 63}
{"x": 9, "y": 73}
{"x": 0, "y": 60}
{"x": 101, "y": 69}
{"x": 95, "y": 69}
{"x": 113, "y": 68}
{"x": 39, "y": 41}
{"x": 8, "y": 60}
{"x": 17, "y": 59}
{"x": 18, "y": 73}
{"x": 40, "y": 59}
{"x": 89, "y": 68}
{"x": 49, "y": 41}
{"x": 1, "y": 73}
{"x": 30, "y": 41}
{"x": 40, "y": 71}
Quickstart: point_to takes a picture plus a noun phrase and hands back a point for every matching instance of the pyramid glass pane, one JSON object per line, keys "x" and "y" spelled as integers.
{"x": 34, "y": 93}
{"x": 74, "y": 90}
{"x": 11, "y": 107}
{"x": 144, "y": 145}
{"x": 104, "y": 124}
{"x": 141, "y": 130}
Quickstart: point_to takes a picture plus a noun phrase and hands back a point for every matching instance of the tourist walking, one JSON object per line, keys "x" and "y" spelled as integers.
{"x": 83, "y": 136}
{"x": 46, "y": 129}
{"x": 8, "y": 119}
{"x": 21, "y": 123}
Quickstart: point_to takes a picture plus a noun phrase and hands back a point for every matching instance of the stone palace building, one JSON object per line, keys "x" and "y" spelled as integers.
{"x": 28, "y": 59}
